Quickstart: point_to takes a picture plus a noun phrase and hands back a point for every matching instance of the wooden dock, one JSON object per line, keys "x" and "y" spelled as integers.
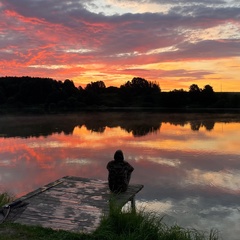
{"x": 70, "y": 203}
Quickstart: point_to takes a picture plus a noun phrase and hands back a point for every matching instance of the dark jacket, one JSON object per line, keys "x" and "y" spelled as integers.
{"x": 119, "y": 175}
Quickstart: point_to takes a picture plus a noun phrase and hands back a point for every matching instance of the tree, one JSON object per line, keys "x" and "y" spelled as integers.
{"x": 141, "y": 84}
{"x": 95, "y": 86}
{"x": 208, "y": 96}
{"x": 208, "y": 90}
{"x": 140, "y": 92}
{"x": 194, "y": 93}
{"x": 194, "y": 89}
{"x": 94, "y": 93}
{"x": 69, "y": 86}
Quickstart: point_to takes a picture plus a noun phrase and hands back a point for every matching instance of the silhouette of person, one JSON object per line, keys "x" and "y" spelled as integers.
{"x": 119, "y": 173}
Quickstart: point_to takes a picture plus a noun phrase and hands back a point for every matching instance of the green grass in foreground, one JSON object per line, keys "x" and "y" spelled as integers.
{"x": 145, "y": 226}
{"x": 117, "y": 226}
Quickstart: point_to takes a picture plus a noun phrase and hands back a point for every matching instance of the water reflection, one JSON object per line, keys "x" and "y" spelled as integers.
{"x": 190, "y": 174}
{"x": 135, "y": 123}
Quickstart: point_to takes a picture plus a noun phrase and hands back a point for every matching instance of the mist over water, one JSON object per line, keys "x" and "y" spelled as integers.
{"x": 189, "y": 164}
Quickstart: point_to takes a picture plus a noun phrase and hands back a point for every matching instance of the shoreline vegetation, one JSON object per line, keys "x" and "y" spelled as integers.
{"x": 118, "y": 225}
{"x": 45, "y": 95}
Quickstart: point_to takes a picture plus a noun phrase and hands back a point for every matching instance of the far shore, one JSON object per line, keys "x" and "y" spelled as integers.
{"x": 41, "y": 110}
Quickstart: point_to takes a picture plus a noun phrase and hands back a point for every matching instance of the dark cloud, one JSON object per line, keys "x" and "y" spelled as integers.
{"x": 207, "y": 49}
{"x": 177, "y": 1}
{"x": 207, "y": 12}
{"x": 171, "y": 73}
{"x": 118, "y": 33}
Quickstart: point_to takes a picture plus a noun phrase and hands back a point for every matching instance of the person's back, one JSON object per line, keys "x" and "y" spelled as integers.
{"x": 119, "y": 173}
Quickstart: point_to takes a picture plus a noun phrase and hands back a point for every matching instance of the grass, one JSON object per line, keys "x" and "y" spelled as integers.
{"x": 117, "y": 225}
{"x": 5, "y": 198}
{"x": 145, "y": 226}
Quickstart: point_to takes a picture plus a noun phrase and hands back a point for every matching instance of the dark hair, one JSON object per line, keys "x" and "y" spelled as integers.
{"x": 118, "y": 156}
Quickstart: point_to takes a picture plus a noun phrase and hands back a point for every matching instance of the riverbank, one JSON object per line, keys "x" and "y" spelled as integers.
{"x": 117, "y": 226}
{"x": 42, "y": 110}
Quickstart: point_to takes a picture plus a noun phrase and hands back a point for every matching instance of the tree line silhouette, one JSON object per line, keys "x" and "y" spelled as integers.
{"x": 52, "y": 95}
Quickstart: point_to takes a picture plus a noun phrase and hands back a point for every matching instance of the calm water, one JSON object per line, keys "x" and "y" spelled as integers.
{"x": 189, "y": 164}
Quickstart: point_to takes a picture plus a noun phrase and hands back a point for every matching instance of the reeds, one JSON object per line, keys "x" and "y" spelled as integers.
{"x": 145, "y": 226}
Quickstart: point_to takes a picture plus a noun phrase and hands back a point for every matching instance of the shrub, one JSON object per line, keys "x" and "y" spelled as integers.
{"x": 5, "y": 198}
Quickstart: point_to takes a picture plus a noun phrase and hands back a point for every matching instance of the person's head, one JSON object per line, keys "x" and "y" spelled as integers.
{"x": 118, "y": 156}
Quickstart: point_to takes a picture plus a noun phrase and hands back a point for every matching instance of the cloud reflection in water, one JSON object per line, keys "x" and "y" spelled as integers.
{"x": 190, "y": 176}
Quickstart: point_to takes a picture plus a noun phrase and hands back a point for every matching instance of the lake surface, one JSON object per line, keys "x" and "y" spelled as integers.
{"x": 189, "y": 164}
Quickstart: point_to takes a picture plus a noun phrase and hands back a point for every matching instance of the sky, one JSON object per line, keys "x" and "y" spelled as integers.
{"x": 174, "y": 43}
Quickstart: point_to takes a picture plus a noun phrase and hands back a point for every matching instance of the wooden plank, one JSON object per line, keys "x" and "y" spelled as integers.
{"x": 72, "y": 203}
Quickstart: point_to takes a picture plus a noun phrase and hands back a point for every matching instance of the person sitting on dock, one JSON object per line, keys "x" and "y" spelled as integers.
{"x": 119, "y": 173}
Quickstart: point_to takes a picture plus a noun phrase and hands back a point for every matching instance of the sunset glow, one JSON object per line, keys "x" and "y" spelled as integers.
{"x": 175, "y": 43}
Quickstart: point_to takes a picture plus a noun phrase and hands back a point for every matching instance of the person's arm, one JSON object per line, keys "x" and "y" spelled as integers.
{"x": 108, "y": 165}
{"x": 129, "y": 167}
